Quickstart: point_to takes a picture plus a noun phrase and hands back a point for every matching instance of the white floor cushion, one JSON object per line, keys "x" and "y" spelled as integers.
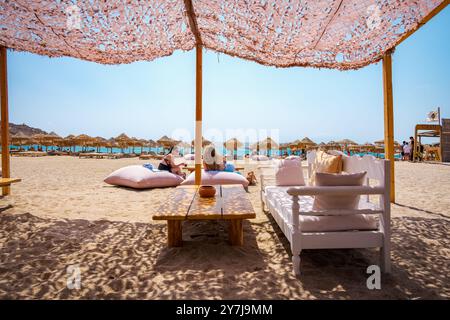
{"x": 138, "y": 177}
{"x": 217, "y": 177}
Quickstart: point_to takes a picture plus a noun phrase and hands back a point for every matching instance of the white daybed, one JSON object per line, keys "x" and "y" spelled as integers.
{"x": 366, "y": 227}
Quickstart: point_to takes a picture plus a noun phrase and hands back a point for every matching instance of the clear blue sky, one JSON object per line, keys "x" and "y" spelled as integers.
{"x": 149, "y": 99}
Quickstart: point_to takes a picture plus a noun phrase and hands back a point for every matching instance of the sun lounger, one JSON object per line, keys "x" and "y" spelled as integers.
{"x": 151, "y": 157}
{"x": 368, "y": 226}
{"x": 29, "y": 154}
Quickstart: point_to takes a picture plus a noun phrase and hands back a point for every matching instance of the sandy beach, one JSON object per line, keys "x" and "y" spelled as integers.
{"x": 62, "y": 214}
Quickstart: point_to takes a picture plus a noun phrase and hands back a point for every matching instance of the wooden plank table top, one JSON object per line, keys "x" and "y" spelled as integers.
{"x": 230, "y": 203}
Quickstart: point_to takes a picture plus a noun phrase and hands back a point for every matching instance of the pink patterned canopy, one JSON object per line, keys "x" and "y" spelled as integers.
{"x": 342, "y": 34}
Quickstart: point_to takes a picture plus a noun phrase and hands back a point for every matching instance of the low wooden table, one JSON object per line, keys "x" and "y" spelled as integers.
{"x": 230, "y": 203}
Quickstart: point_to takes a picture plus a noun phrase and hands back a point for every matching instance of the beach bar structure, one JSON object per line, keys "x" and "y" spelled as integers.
{"x": 339, "y": 34}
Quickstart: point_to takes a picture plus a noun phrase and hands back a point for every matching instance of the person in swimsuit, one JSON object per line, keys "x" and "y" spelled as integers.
{"x": 168, "y": 164}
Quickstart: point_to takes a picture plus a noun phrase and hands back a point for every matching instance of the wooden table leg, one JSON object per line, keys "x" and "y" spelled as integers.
{"x": 236, "y": 232}
{"x": 174, "y": 233}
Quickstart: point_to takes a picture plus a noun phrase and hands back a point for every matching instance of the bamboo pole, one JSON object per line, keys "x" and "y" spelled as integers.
{"x": 4, "y": 118}
{"x": 198, "y": 114}
{"x": 389, "y": 118}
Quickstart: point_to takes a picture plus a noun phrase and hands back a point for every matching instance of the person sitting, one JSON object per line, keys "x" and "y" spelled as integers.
{"x": 168, "y": 164}
{"x": 212, "y": 161}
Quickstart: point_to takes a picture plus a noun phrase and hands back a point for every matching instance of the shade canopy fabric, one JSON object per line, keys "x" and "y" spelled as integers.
{"x": 341, "y": 34}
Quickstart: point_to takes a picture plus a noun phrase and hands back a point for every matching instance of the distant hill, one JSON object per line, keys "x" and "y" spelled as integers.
{"x": 24, "y": 129}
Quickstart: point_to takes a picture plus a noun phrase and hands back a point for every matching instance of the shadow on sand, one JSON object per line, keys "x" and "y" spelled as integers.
{"x": 120, "y": 260}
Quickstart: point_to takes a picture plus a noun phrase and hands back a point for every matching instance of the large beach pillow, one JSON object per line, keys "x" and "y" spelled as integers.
{"x": 217, "y": 177}
{"x": 139, "y": 177}
{"x": 289, "y": 173}
{"x": 329, "y": 202}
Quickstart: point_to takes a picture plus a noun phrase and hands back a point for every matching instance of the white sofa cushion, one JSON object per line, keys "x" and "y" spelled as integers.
{"x": 278, "y": 199}
{"x": 139, "y": 177}
{"x": 330, "y": 202}
{"x": 289, "y": 172}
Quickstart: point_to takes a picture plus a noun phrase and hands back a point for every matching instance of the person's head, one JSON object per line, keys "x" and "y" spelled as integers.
{"x": 404, "y": 142}
{"x": 411, "y": 138}
{"x": 211, "y": 158}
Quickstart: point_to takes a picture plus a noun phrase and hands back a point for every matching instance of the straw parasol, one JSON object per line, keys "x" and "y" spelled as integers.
{"x": 83, "y": 140}
{"x": 205, "y": 142}
{"x": 20, "y": 139}
{"x": 266, "y": 144}
{"x": 167, "y": 142}
{"x": 99, "y": 142}
{"x": 379, "y": 142}
{"x": 123, "y": 141}
{"x": 346, "y": 142}
{"x": 233, "y": 145}
{"x": 332, "y": 145}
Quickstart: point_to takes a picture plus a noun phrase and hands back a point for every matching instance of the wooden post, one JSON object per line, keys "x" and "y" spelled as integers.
{"x": 174, "y": 233}
{"x": 389, "y": 118}
{"x": 236, "y": 232}
{"x": 4, "y": 118}
{"x": 198, "y": 115}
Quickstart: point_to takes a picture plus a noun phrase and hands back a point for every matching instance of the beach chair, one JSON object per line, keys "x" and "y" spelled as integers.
{"x": 368, "y": 226}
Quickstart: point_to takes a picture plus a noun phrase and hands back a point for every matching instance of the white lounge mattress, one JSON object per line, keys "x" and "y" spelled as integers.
{"x": 278, "y": 199}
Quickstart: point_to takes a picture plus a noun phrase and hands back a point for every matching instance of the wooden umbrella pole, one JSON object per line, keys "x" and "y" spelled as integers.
{"x": 198, "y": 115}
{"x": 4, "y": 118}
{"x": 389, "y": 118}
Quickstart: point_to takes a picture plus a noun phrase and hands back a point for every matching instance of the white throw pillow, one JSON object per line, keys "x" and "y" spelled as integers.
{"x": 325, "y": 202}
{"x": 289, "y": 172}
{"x": 138, "y": 177}
{"x": 217, "y": 177}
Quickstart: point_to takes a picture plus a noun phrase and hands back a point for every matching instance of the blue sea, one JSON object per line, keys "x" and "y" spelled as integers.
{"x": 241, "y": 152}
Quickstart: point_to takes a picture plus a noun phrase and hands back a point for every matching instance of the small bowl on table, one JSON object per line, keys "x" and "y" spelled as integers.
{"x": 207, "y": 191}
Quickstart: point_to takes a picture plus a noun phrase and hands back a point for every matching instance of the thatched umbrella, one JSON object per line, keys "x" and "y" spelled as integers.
{"x": 111, "y": 143}
{"x": 266, "y": 144}
{"x": 379, "y": 142}
{"x": 205, "y": 142}
{"x": 233, "y": 144}
{"x": 367, "y": 147}
{"x": 69, "y": 142}
{"x": 83, "y": 140}
{"x": 346, "y": 142}
{"x": 167, "y": 142}
{"x": 99, "y": 142}
{"x": 332, "y": 145}
{"x": 151, "y": 144}
{"x": 308, "y": 142}
{"x": 47, "y": 140}
{"x": 123, "y": 141}
{"x": 20, "y": 139}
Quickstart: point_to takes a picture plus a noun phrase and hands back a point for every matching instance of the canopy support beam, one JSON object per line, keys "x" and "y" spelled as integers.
{"x": 198, "y": 114}
{"x": 427, "y": 18}
{"x": 192, "y": 21}
{"x": 198, "y": 89}
{"x": 389, "y": 118}
{"x": 4, "y": 118}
